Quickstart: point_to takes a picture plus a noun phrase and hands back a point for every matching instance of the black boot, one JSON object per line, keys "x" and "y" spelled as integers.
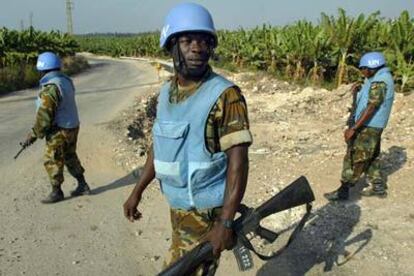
{"x": 55, "y": 196}
{"x": 82, "y": 188}
{"x": 342, "y": 193}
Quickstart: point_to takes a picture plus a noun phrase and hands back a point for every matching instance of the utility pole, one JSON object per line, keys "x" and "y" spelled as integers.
{"x": 69, "y": 8}
{"x": 21, "y": 25}
{"x": 31, "y": 19}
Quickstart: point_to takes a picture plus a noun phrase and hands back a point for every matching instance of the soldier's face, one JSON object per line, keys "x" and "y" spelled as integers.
{"x": 366, "y": 72}
{"x": 196, "y": 49}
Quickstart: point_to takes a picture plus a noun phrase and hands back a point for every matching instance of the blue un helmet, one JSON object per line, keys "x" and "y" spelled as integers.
{"x": 48, "y": 61}
{"x": 187, "y": 17}
{"x": 372, "y": 60}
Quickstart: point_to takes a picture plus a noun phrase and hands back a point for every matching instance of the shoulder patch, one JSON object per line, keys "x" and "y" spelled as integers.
{"x": 378, "y": 85}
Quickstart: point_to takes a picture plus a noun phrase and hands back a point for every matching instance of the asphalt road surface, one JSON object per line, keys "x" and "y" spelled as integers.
{"x": 79, "y": 236}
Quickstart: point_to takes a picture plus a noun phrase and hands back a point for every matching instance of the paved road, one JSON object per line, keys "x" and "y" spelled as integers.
{"x": 80, "y": 236}
{"x": 101, "y": 92}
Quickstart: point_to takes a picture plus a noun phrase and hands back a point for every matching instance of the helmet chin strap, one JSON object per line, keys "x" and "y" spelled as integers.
{"x": 178, "y": 59}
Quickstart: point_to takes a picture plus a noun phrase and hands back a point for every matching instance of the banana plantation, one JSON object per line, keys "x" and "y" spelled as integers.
{"x": 18, "y": 47}
{"x": 326, "y": 52}
{"x": 19, "y": 51}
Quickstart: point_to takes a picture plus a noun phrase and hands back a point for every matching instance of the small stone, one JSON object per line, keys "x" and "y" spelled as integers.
{"x": 155, "y": 258}
{"x": 75, "y": 262}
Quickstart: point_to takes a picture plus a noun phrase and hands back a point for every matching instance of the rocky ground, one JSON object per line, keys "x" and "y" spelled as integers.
{"x": 299, "y": 131}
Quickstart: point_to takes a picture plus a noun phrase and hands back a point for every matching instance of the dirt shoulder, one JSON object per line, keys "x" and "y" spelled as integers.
{"x": 299, "y": 131}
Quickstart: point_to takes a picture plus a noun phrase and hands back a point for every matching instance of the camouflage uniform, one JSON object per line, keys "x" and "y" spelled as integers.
{"x": 60, "y": 143}
{"x": 188, "y": 227}
{"x": 61, "y": 150}
{"x": 227, "y": 126}
{"x": 363, "y": 155}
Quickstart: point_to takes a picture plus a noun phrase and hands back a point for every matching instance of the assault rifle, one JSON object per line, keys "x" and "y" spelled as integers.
{"x": 23, "y": 145}
{"x": 351, "y": 119}
{"x": 297, "y": 193}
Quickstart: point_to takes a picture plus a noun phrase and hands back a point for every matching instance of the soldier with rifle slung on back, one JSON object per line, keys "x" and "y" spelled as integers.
{"x": 57, "y": 121}
{"x": 372, "y": 109}
{"x": 200, "y": 140}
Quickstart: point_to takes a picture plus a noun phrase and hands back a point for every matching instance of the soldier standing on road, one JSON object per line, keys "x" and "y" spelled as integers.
{"x": 373, "y": 109}
{"x": 57, "y": 121}
{"x": 200, "y": 140}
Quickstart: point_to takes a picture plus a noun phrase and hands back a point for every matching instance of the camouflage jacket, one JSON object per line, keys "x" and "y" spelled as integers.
{"x": 49, "y": 101}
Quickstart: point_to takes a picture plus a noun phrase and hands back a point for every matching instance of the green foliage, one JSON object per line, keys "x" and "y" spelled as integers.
{"x": 17, "y": 77}
{"x": 116, "y": 45}
{"x": 74, "y": 64}
{"x": 315, "y": 53}
{"x": 23, "y": 47}
{"x": 19, "y": 51}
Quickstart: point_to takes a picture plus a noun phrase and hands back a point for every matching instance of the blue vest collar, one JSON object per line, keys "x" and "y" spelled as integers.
{"x": 380, "y": 72}
{"x": 53, "y": 74}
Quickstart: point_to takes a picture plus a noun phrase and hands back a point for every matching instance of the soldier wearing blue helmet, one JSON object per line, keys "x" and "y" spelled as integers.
{"x": 373, "y": 108}
{"x": 200, "y": 140}
{"x": 57, "y": 121}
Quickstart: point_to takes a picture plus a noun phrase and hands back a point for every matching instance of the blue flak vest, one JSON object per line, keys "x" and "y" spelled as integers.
{"x": 67, "y": 113}
{"x": 382, "y": 114}
{"x": 191, "y": 177}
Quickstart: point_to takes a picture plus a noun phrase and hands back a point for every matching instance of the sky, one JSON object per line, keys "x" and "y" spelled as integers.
{"x": 134, "y": 16}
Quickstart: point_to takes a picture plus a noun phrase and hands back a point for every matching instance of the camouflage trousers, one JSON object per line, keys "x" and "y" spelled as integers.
{"x": 188, "y": 228}
{"x": 363, "y": 157}
{"x": 60, "y": 151}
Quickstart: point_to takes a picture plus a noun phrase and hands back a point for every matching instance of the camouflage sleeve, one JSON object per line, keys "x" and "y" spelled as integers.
{"x": 377, "y": 93}
{"x": 229, "y": 122}
{"x": 49, "y": 100}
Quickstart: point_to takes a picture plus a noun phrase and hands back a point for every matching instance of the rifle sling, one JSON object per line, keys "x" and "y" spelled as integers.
{"x": 295, "y": 232}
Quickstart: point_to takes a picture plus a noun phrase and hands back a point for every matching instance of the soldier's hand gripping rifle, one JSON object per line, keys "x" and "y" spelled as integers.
{"x": 297, "y": 193}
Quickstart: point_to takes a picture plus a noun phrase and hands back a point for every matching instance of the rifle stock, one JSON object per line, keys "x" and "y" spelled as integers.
{"x": 297, "y": 193}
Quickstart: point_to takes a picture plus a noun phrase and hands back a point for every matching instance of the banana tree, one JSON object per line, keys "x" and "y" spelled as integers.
{"x": 403, "y": 70}
{"x": 295, "y": 49}
{"x": 347, "y": 35}
{"x": 402, "y": 39}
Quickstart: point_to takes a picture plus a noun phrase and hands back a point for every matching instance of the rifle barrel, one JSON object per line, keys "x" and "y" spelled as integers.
{"x": 20, "y": 151}
{"x": 191, "y": 261}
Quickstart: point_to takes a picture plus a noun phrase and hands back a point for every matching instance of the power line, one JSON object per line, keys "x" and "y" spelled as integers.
{"x": 69, "y": 8}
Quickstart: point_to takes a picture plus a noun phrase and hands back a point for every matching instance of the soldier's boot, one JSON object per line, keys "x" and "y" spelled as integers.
{"x": 342, "y": 193}
{"x": 376, "y": 189}
{"x": 82, "y": 188}
{"x": 55, "y": 196}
